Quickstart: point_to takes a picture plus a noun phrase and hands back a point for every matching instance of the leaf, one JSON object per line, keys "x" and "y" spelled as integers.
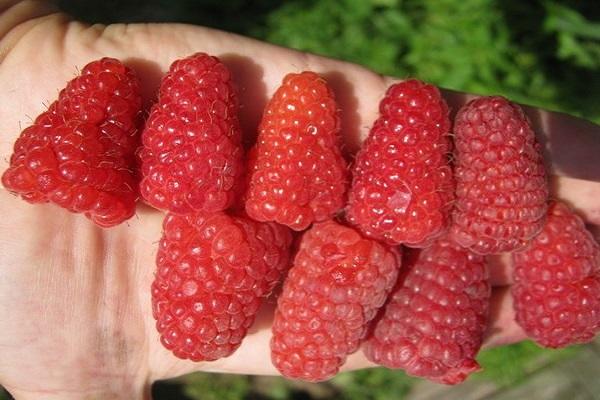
{"x": 578, "y": 38}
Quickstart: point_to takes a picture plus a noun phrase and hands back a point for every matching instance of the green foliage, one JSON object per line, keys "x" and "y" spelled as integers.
{"x": 578, "y": 39}
{"x": 205, "y": 386}
{"x": 371, "y": 33}
{"x": 509, "y": 365}
{"x": 466, "y": 45}
{"x": 373, "y": 384}
{"x": 276, "y": 388}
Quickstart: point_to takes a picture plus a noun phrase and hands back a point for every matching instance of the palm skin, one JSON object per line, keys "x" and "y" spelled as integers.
{"x": 75, "y": 298}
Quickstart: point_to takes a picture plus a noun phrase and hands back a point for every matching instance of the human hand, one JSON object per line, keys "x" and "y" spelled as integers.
{"x": 75, "y": 298}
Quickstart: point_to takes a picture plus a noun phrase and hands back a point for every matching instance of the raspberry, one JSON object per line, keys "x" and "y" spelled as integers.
{"x": 212, "y": 272}
{"x": 557, "y": 282}
{"x": 338, "y": 282}
{"x": 80, "y": 154}
{"x": 298, "y": 174}
{"x": 501, "y": 188}
{"x": 402, "y": 190}
{"x": 434, "y": 321}
{"x": 192, "y": 155}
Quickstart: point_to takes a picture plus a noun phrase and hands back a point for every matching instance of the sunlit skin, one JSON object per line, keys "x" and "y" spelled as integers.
{"x": 74, "y": 298}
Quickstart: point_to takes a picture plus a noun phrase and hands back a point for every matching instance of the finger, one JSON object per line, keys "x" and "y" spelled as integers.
{"x": 252, "y": 357}
{"x": 570, "y": 144}
{"x": 570, "y": 147}
{"x": 259, "y": 69}
{"x": 502, "y": 330}
{"x": 582, "y": 195}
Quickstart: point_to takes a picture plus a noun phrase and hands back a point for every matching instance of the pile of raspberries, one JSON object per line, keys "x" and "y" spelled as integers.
{"x": 387, "y": 252}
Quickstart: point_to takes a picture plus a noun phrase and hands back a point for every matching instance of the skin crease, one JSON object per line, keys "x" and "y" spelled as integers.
{"x": 75, "y": 298}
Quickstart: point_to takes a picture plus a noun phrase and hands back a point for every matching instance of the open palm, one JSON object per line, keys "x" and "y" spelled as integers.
{"x": 75, "y": 298}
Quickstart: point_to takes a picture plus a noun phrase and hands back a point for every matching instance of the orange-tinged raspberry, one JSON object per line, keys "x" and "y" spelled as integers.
{"x": 297, "y": 172}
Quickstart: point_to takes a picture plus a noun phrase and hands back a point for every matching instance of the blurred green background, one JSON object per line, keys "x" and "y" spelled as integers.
{"x": 544, "y": 53}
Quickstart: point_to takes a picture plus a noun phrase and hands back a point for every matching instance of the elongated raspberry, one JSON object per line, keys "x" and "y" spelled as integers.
{"x": 298, "y": 174}
{"x": 213, "y": 271}
{"x": 80, "y": 154}
{"x": 557, "y": 282}
{"x": 338, "y": 282}
{"x": 192, "y": 155}
{"x": 501, "y": 188}
{"x": 434, "y": 321}
{"x": 402, "y": 187}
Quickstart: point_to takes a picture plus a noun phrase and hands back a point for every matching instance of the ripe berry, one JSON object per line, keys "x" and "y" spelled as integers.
{"x": 338, "y": 282}
{"x": 297, "y": 172}
{"x": 192, "y": 155}
{"x": 213, "y": 271}
{"x": 501, "y": 189}
{"x": 402, "y": 188}
{"x": 557, "y": 282}
{"x": 80, "y": 154}
{"x": 434, "y": 321}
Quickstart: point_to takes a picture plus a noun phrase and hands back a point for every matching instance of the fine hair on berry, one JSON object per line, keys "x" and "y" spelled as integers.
{"x": 192, "y": 157}
{"x": 80, "y": 153}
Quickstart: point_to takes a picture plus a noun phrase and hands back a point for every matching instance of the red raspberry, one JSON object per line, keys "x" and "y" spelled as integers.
{"x": 402, "y": 190}
{"x": 501, "y": 189}
{"x": 434, "y": 322}
{"x": 298, "y": 174}
{"x": 338, "y": 282}
{"x": 192, "y": 156}
{"x": 80, "y": 154}
{"x": 213, "y": 271}
{"x": 557, "y": 282}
